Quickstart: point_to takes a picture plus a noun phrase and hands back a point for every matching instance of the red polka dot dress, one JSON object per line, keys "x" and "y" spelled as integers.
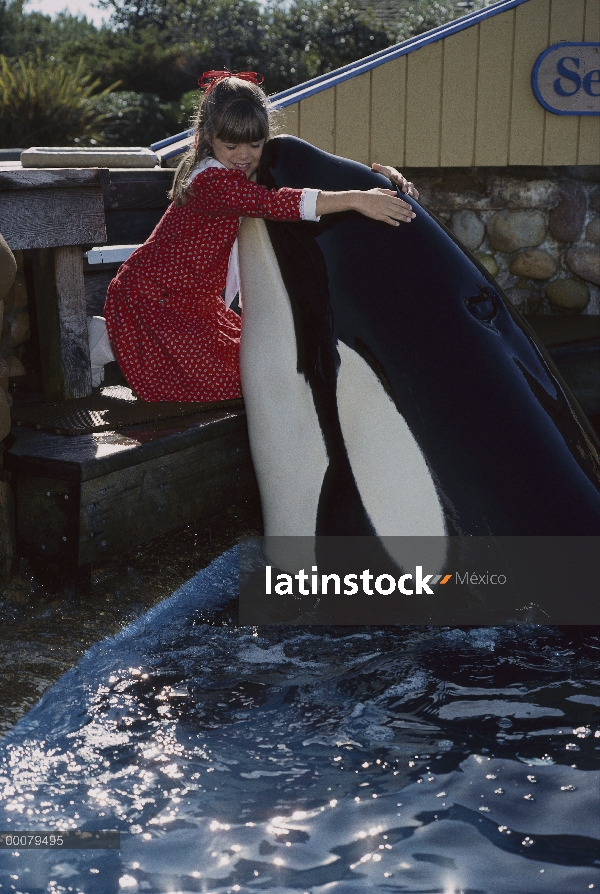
{"x": 168, "y": 325}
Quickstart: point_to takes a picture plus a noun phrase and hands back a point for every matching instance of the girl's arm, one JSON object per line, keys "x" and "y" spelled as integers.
{"x": 219, "y": 192}
{"x": 379, "y": 204}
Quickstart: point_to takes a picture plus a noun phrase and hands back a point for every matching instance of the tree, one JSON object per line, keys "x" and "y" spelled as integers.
{"x": 23, "y": 34}
{"x": 419, "y": 16}
{"x": 309, "y": 38}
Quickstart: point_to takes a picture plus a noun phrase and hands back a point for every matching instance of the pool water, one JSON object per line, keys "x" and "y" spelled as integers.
{"x": 410, "y": 759}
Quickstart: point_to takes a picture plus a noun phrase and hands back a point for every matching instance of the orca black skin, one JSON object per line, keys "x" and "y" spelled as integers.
{"x": 508, "y": 447}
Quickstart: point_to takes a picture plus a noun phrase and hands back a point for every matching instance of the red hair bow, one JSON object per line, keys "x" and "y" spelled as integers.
{"x": 210, "y": 78}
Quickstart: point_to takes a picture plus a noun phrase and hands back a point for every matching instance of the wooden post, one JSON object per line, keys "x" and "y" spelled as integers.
{"x": 62, "y": 325}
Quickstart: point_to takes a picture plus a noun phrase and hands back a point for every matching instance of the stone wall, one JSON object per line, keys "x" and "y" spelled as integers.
{"x": 537, "y": 230}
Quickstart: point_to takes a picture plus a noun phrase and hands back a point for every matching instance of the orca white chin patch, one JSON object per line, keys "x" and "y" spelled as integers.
{"x": 286, "y": 441}
{"x": 390, "y": 471}
{"x": 288, "y": 448}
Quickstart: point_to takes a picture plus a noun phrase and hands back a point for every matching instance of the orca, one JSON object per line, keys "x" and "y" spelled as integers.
{"x": 390, "y": 387}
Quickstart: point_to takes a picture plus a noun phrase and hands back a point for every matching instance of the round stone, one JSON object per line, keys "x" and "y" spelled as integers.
{"x": 595, "y": 200}
{"x": 570, "y": 295}
{"x": 19, "y": 329}
{"x": 488, "y": 261}
{"x": 510, "y": 230}
{"x": 585, "y": 262}
{"x": 592, "y": 231}
{"x": 534, "y": 264}
{"x": 15, "y": 367}
{"x": 525, "y": 300}
{"x": 566, "y": 220}
{"x": 468, "y": 228}
{"x": 8, "y": 268}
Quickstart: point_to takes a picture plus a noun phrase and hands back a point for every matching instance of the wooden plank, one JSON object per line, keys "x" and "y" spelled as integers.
{"x": 60, "y": 308}
{"x": 38, "y": 453}
{"x": 138, "y": 188}
{"x": 128, "y": 194}
{"x": 591, "y": 32}
{"x": 494, "y": 89}
{"x": 44, "y": 178}
{"x": 134, "y": 505}
{"x": 589, "y": 141}
{"x": 459, "y": 99}
{"x": 288, "y": 120}
{"x": 317, "y": 120}
{"x": 532, "y": 21}
{"x": 589, "y": 125}
{"x": 562, "y": 131}
{"x": 74, "y": 343}
{"x": 47, "y": 517}
{"x": 96, "y": 283}
{"x": 388, "y": 105}
{"x": 423, "y": 103}
{"x": 46, "y": 304}
{"x": 352, "y": 104}
{"x": 131, "y": 227}
{"x": 48, "y": 218}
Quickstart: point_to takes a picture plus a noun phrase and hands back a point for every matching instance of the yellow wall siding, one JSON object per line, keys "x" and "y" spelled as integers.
{"x": 459, "y": 99}
{"x": 561, "y": 136}
{"x": 493, "y": 89}
{"x": 317, "y": 120}
{"x": 589, "y": 125}
{"x": 465, "y": 100}
{"x": 423, "y": 103}
{"x": 352, "y": 118}
{"x": 388, "y": 106}
{"x": 287, "y": 120}
{"x": 592, "y": 21}
{"x": 527, "y": 117}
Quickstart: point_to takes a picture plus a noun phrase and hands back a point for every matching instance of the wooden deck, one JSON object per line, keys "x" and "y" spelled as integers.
{"x": 79, "y": 499}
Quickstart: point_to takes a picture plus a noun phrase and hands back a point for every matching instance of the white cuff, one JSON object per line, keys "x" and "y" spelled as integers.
{"x": 308, "y": 204}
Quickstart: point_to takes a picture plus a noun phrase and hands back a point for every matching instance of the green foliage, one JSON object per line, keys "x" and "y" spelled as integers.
{"x": 142, "y": 63}
{"x": 419, "y": 16}
{"x": 23, "y": 34}
{"x": 138, "y": 119}
{"x": 288, "y": 43}
{"x": 309, "y": 38}
{"x": 46, "y": 103}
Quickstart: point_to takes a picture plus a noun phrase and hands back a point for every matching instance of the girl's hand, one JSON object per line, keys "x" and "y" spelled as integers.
{"x": 397, "y": 178}
{"x": 382, "y": 204}
{"x": 379, "y": 204}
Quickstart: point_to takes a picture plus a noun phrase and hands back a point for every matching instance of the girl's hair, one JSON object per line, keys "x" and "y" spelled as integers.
{"x": 234, "y": 111}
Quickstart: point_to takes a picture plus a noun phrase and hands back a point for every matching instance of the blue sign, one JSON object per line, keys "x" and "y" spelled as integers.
{"x": 566, "y": 79}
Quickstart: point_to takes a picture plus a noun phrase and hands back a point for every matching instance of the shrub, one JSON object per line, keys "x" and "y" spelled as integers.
{"x": 45, "y": 103}
{"x": 138, "y": 119}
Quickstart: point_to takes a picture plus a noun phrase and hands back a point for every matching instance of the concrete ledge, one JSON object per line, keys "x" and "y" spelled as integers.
{"x": 67, "y": 157}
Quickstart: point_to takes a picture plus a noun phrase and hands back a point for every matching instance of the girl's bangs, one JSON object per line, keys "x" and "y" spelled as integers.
{"x": 244, "y": 123}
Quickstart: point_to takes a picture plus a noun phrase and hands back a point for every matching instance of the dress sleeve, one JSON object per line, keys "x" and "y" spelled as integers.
{"x": 224, "y": 193}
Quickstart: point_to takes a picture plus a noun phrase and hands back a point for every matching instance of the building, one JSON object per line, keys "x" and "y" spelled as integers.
{"x": 466, "y": 111}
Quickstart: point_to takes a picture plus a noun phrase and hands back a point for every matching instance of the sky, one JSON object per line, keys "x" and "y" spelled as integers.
{"x": 75, "y": 7}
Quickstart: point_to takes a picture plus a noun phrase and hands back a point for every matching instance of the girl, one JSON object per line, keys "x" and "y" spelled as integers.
{"x": 173, "y": 334}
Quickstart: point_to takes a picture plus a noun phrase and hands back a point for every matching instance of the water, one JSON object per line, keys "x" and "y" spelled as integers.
{"x": 424, "y": 760}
